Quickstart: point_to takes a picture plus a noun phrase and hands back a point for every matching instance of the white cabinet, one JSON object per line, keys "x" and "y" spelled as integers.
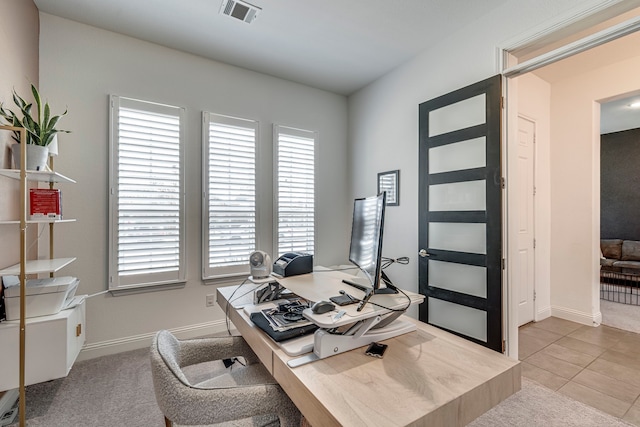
{"x": 52, "y": 346}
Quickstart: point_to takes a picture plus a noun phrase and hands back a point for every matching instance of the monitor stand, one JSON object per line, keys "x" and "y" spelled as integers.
{"x": 326, "y": 344}
{"x": 369, "y": 291}
{"x": 365, "y": 286}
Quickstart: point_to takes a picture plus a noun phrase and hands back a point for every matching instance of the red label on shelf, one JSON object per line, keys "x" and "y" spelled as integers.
{"x": 45, "y": 203}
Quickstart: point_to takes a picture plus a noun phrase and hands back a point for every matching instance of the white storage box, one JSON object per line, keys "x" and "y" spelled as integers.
{"x": 44, "y": 296}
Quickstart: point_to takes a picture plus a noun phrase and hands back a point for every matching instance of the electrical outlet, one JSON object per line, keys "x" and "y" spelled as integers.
{"x": 211, "y": 300}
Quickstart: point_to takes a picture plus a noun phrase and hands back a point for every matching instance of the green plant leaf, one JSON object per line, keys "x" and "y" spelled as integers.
{"x": 45, "y": 122}
{"x": 40, "y": 129}
{"x": 54, "y": 121}
{"x": 36, "y": 96}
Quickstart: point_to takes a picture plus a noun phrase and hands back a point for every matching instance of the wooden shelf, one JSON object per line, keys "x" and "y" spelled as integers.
{"x": 39, "y": 266}
{"x": 39, "y": 176}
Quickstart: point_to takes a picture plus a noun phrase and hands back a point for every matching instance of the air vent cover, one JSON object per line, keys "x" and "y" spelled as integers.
{"x": 240, "y": 10}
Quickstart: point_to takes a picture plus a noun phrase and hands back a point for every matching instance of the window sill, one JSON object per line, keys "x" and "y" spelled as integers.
{"x": 138, "y": 289}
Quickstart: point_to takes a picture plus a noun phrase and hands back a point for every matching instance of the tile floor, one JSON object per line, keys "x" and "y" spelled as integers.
{"x": 597, "y": 366}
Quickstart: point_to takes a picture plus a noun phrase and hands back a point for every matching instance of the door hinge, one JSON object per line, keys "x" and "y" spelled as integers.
{"x": 504, "y": 346}
{"x": 534, "y": 190}
{"x": 503, "y": 262}
{"x": 534, "y": 295}
{"x": 502, "y": 184}
{"x": 502, "y": 102}
{"x": 534, "y": 243}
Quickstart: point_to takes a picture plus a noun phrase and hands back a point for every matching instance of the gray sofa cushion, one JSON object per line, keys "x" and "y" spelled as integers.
{"x": 611, "y": 248}
{"x": 630, "y": 250}
{"x": 627, "y": 264}
{"x": 626, "y": 267}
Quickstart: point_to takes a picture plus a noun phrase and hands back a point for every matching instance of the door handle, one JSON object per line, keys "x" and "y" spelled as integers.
{"x": 423, "y": 253}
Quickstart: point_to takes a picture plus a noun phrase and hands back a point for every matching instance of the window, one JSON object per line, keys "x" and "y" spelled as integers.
{"x": 295, "y": 181}
{"x": 229, "y": 194}
{"x": 146, "y": 203}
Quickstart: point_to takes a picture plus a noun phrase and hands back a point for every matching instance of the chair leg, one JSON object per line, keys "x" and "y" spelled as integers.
{"x": 167, "y": 422}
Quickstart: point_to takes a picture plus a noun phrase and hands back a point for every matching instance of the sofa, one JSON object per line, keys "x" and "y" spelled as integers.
{"x": 620, "y": 256}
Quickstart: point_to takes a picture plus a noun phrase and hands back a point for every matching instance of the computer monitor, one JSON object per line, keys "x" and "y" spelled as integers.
{"x": 365, "y": 250}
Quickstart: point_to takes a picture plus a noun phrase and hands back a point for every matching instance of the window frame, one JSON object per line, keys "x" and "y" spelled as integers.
{"x": 142, "y": 282}
{"x": 221, "y": 272}
{"x": 301, "y": 133}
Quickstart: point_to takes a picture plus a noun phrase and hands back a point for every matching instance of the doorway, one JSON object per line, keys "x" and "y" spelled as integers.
{"x": 572, "y": 171}
{"x": 620, "y": 202}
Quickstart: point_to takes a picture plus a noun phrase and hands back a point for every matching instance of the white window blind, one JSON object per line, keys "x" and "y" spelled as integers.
{"x": 147, "y": 194}
{"x": 295, "y": 192}
{"x": 230, "y": 194}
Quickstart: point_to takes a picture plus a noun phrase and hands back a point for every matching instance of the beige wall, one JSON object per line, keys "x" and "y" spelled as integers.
{"x": 19, "y": 31}
{"x": 575, "y": 191}
{"x": 96, "y": 63}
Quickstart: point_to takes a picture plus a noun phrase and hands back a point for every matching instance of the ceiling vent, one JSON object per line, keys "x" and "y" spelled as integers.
{"x": 240, "y": 10}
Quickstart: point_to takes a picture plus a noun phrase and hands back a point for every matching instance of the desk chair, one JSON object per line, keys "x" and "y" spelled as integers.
{"x": 238, "y": 393}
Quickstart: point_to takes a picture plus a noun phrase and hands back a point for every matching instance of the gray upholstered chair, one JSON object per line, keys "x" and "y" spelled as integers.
{"x": 248, "y": 393}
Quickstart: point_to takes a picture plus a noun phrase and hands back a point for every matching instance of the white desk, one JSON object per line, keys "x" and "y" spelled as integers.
{"x": 427, "y": 377}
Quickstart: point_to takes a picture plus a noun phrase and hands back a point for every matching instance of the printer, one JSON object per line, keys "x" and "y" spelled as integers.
{"x": 43, "y": 296}
{"x": 292, "y": 264}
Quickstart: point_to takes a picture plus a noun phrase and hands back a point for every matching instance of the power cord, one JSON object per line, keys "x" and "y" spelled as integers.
{"x": 230, "y": 300}
{"x": 386, "y": 262}
{"x": 229, "y": 362}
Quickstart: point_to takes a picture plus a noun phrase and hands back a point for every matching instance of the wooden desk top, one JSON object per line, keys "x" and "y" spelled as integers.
{"x": 428, "y": 377}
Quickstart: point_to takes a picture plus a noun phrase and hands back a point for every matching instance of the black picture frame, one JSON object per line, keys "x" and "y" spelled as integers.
{"x": 390, "y": 182}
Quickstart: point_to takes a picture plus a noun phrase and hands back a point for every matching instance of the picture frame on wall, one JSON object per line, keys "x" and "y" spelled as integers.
{"x": 390, "y": 182}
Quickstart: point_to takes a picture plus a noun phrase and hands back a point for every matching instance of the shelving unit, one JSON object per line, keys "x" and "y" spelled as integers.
{"x": 57, "y": 338}
{"x": 38, "y": 266}
{"x": 36, "y": 176}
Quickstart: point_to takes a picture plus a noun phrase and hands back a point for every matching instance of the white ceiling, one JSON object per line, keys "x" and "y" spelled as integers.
{"x": 618, "y": 115}
{"x": 336, "y": 45}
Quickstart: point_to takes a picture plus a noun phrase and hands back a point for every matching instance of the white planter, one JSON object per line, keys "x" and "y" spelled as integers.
{"x": 37, "y": 156}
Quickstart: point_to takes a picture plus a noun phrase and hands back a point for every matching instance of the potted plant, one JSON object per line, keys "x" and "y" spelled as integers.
{"x": 41, "y": 129}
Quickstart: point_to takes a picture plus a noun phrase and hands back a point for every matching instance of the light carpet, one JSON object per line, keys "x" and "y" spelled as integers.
{"x": 535, "y": 405}
{"x": 621, "y": 316}
{"x": 117, "y": 390}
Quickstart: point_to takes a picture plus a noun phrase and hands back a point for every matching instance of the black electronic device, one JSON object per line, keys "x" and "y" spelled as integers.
{"x": 376, "y": 349}
{"x": 322, "y": 307}
{"x": 365, "y": 250}
{"x": 344, "y": 299}
{"x": 293, "y": 263}
{"x": 261, "y": 321}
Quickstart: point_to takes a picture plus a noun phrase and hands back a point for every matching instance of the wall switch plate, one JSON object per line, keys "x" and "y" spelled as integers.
{"x": 211, "y": 300}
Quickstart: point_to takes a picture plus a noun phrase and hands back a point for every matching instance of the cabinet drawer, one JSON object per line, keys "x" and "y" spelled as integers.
{"x": 52, "y": 346}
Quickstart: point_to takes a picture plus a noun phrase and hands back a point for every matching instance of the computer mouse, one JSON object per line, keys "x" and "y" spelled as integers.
{"x": 322, "y": 307}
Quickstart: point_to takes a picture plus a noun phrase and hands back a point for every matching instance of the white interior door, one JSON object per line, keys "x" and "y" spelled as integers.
{"x": 525, "y": 262}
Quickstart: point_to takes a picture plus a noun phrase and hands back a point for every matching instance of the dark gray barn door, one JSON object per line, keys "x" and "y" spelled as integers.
{"x": 460, "y": 212}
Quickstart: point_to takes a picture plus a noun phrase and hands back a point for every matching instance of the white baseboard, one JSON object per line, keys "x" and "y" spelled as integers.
{"x": 589, "y": 319}
{"x": 119, "y": 345}
{"x": 543, "y": 313}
